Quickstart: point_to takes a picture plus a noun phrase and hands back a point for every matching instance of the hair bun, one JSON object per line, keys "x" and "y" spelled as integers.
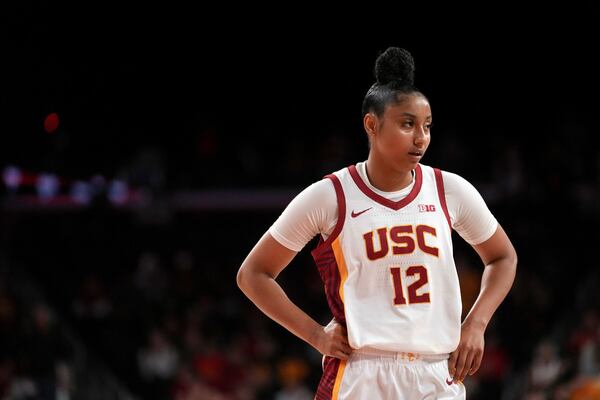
{"x": 395, "y": 65}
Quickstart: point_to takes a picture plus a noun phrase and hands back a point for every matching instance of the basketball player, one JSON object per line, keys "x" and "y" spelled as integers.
{"x": 385, "y": 257}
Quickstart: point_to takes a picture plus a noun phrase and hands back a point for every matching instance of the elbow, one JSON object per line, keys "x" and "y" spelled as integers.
{"x": 246, "y": 278}
{"x": 514, "y": 259}
{"x": 251, "y": 276}
{"x": 241, "y": 278}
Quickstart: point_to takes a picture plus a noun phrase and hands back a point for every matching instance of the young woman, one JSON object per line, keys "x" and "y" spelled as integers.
{"x": 386, "y": 260}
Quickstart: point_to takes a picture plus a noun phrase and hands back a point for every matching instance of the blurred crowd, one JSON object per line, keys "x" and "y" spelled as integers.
{"x": 155, "y": 298}
{"x": 36, "y": 357}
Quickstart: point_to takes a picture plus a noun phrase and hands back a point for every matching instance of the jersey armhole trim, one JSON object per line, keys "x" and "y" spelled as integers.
{"x": 341, "y": 202}
{"x": 439, "y": 183}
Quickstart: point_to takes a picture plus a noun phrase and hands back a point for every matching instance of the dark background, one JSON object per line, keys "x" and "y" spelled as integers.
{"x": 124, "y": 78}
{"x": 215, "y": 119}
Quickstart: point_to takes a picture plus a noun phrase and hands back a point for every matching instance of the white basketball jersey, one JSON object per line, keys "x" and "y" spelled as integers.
{"x": 388, "y": 267}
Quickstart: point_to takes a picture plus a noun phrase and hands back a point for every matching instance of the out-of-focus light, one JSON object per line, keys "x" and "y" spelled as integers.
{"x": 81, "y": 192}
{"x": 51, "y": 123}
{"x": 12, "y": 177}
{"x": 47, "y": 186}
{"x": 118, "y": 192}
{"x": 97, "y": 184}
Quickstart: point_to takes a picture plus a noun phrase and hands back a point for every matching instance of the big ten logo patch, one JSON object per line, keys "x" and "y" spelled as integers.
{"x": 426, "y": 208}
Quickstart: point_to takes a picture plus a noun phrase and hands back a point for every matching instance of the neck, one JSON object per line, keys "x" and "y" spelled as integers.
{"x": 386, "y": 178}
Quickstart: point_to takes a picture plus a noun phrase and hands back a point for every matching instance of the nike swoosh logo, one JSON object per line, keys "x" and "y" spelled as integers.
{"x": 356, "y": 214}
{"x": 449, "y": 381}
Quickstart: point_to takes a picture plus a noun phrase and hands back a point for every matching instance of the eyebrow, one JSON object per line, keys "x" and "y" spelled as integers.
{"x": 407, "y": 114}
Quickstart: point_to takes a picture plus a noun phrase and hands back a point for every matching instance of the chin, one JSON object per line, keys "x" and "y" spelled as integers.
{"x": 405, "y": 166}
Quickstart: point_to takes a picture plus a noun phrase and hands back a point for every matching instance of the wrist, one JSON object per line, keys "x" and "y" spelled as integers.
{"x": 314, "y": 338}
{"x": 475, "y": 323}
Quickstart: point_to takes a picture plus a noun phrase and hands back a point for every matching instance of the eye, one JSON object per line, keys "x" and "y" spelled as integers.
{"x": 408, "y": 124}
{"x": 428, "y": 126}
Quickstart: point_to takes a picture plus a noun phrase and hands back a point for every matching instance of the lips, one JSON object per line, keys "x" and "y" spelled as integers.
{"x": 416, "y": 153}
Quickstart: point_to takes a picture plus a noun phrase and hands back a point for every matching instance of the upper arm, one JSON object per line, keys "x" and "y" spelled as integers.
{"x": 474, "y": 222}
{"x": 267, "y": 257}
{"x": 470, "y": 216}
{"x": 496, "y": 247}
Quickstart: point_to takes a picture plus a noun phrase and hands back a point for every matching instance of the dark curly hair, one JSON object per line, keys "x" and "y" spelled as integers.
{"x": 394, "y": 74}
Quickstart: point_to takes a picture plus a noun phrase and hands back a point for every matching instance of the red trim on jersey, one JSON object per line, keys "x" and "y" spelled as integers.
{"x": 439, "y": 181}
{"x": 341, "y": 202}
{"x": 330, "y": 371}
{"x": 394, "y": 205}
{"x": 330, "y": 275}
{"x": 325, "y": 258}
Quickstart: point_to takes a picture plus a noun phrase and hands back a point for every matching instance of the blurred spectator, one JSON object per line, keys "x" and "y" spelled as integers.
{"x": 585, "y": 333}
{"x": 158, "y": 363}
{"x": 546, "y": 366}
{"x": 44, "y": 350}
{"x": 92, "y": 302}
{"x": 188, "y": 387}
{"x": 219, "y": 373}
{"x": 588, "y": 389}
{"x": 494, "y": 368}
{"x": 150, "y": 277}
{"x": 291, "y": 373}
{"x": 64, "y": 382}
{"x": 589, "y": 356}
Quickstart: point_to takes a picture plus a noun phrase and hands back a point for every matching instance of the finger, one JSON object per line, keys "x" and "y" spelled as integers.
{"x": 460, "y": 364}
{"x": 344, "y": 340}
{"x": 467, "y": 366}
{"x": 476, "y": 363}
{"x": 452, "y": 362}
{"x": 345, "y": 347}
{"x": 340, "y": 332}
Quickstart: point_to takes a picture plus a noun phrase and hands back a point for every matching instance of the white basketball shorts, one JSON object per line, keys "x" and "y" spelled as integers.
{"x": 388, "y": 376}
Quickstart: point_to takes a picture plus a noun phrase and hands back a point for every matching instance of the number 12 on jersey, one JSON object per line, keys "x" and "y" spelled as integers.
{"x": 421, "y": 279}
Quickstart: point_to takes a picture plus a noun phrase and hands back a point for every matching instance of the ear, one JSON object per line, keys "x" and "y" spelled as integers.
{"x": 370, "y": 124}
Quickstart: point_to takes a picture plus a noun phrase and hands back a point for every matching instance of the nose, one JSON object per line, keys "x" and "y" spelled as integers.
{"x": 420, "y": 136}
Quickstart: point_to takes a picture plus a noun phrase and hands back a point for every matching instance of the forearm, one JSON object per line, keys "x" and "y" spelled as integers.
{"x": 270, "y": 298}
{"x": 496, "y": 281}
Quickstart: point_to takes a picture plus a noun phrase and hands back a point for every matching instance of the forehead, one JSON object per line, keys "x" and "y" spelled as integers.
{"x": 413, "y": 104}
